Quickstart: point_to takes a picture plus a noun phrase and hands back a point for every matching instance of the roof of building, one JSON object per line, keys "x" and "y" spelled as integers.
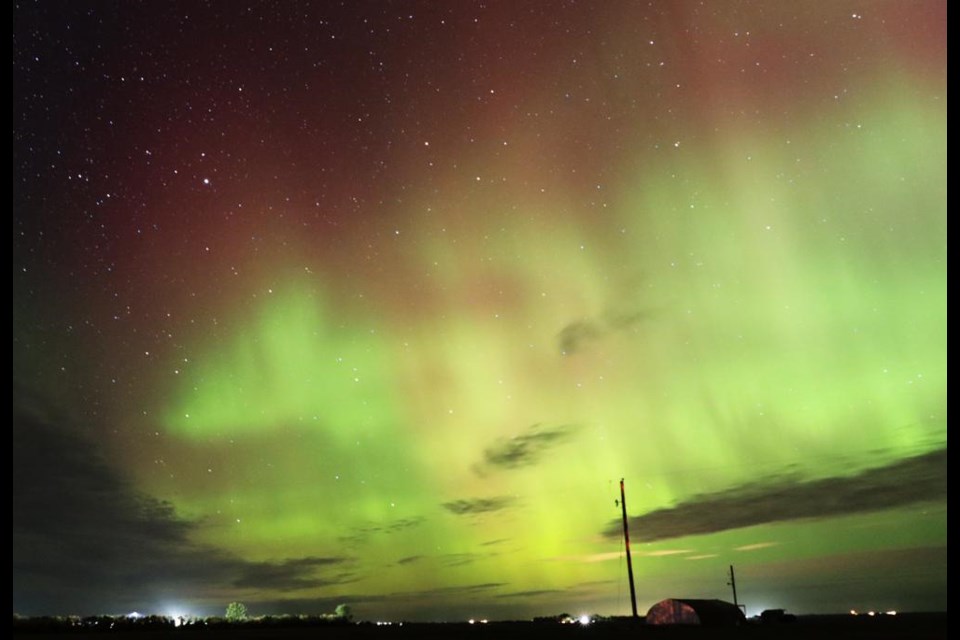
{"x": 709, "y": 612}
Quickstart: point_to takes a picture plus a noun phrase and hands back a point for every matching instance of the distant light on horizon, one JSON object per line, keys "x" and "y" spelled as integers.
{"x": 177, "y": 615}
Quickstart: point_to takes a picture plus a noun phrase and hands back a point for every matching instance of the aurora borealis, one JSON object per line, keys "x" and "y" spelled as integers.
{"x": 377, "y": 303}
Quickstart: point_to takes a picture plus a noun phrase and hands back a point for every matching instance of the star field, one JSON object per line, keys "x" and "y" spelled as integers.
{"x": 376, "y": 302}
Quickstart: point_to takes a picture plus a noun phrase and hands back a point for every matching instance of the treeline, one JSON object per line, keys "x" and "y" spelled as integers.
{"x": 59, "y": 624}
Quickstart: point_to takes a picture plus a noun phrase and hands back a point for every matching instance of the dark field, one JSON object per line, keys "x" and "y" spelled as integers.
{"x": 904, "y": 626}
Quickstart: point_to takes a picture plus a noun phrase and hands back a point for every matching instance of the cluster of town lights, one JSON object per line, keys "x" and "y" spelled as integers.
{"x": 854, "y": 612}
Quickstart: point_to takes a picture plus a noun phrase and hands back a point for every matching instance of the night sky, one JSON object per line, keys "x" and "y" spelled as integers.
{"x": 376, "y": 302}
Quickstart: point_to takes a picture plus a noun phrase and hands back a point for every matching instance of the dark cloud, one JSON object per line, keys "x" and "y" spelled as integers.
{"x": 525, "y": 449}
{"x": 490, "y": 543}
{"x": 83, "y": 537}
{"x": 362, "y": 534}
{"x": 460, "y": 559}
{"x": 530, "y": 594}
{"x": 624, "y": 321}
{"x": 478, "y": 505}
{"x": 399, "y": 525}
{"x": 309, "y": 606}
{"x": 901, "y": 483}
{"x": 290, "y": 575}
{"x": 448, "y": 559}
{"x": 596, "y": 583}
{"x": 577, "y": 335}
{"x": 914, "y": 577}
{"x": 572, "y": 337}
{"x": 444, "y": 591}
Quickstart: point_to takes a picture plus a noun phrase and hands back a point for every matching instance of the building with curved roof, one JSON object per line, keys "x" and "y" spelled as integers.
{"x": 714, "y": 613}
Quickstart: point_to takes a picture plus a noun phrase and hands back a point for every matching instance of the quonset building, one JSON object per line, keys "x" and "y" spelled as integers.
{"x": 713, "y": 613}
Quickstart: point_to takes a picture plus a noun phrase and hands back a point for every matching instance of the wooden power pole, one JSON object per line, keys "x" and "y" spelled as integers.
{"x": 626, "y": 542}
{"x": 733, "y": 585}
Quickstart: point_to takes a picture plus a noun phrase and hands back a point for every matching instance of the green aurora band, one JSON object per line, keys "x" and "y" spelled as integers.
{"x": 775, "y": 305}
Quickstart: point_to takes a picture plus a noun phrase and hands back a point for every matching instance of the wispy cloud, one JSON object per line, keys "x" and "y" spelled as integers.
{"x": 291, "y": 575}
{"x": 755, "y": 546}
{"x": 490, "y": 543}
{"x": 578, "y": 335}
{"x": 362, "y": 534}
{"x": 573, "y": 336}
{"x": 592, "y": 557}
{"x": 525, "y": 449}
{"x": 454, "y": 590}
{"x": 312, "y": 605}
{"x": 595, "y": 557}
{"x": 475, "y": 506}
{"x": 459, "y": 559}
{"x": 907, "y": 481}
{"x": 615, "y": 555}
{"x": 536, "y": 593}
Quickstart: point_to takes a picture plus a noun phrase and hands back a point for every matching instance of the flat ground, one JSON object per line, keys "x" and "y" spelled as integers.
{"x": 904, "y": 626}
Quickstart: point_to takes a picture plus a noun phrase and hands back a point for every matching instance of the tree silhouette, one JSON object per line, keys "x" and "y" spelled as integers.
{"x": 236, "y": 612}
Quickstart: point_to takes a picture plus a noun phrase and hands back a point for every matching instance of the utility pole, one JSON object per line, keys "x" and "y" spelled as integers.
{"x": 733, "y": 584}
{"x": 626, "y": 542}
